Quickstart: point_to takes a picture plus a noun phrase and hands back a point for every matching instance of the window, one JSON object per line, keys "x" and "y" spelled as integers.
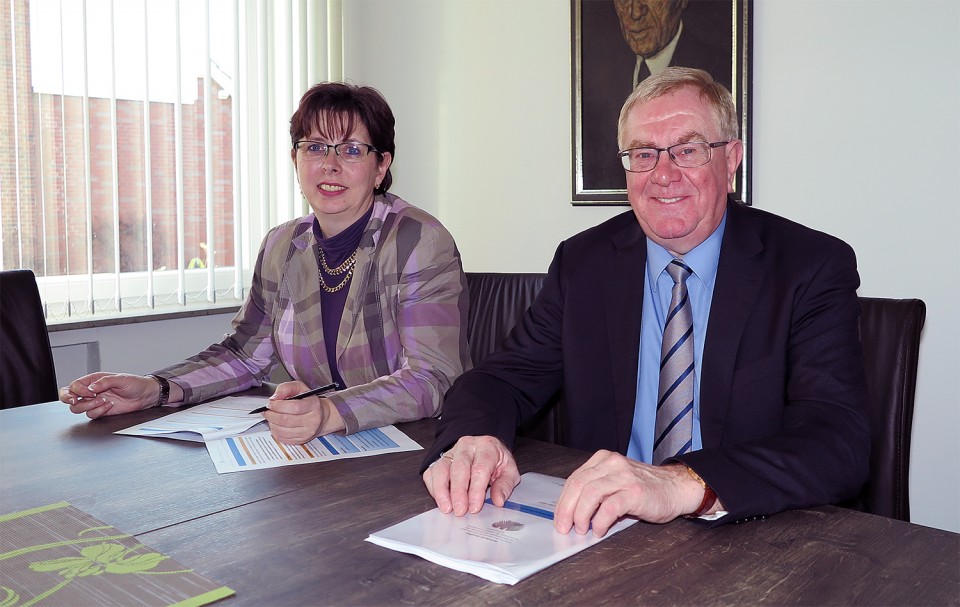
{"x": 144, "y": 145}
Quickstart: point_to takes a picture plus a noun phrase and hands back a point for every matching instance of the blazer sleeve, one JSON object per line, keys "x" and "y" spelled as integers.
{"x": 245, "y": 357}
{"x": 795, "y": 431}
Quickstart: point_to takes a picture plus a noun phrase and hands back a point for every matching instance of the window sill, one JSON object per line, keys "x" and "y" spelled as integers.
{"x": 139, "y": 316}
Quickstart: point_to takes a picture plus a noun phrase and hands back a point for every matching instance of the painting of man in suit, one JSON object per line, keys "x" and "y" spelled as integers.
{"x": 624, "y": 41}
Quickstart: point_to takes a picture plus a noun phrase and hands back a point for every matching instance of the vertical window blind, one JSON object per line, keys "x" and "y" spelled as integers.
{"x": 144, "y": 144}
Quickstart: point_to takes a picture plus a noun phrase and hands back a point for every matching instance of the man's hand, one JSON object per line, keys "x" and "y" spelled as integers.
{"x": 458, "y": 481}
{"x": 295, "y": 422}
{"x": 609, "y": 486}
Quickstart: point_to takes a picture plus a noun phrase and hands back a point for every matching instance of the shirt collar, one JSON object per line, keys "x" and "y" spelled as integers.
{"x": 702, "y": 259}
{"x": 661, "y": 61}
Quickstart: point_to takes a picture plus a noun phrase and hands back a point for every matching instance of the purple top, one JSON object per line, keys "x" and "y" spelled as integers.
{"x": 336, "y": 250}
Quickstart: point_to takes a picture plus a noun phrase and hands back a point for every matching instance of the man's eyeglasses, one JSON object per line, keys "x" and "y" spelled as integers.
{"x": 348, "y": 151}
{"x": 684, "y": 155}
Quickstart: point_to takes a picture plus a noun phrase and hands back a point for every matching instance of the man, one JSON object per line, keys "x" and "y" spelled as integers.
{"x": 776, "y": 418}
{"x": 654, "y": 32}
{"x": 655, "y": 35}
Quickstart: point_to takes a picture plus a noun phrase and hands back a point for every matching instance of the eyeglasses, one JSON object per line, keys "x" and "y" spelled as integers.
{"x": 684, "y": 155}
{"x": 348, "y": 151}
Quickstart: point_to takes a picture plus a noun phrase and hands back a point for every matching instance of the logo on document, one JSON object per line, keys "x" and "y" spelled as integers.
{"x": 508, "y": 525}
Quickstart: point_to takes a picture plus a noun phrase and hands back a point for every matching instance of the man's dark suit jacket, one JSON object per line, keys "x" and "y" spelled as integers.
{"x": 782, "y": 391}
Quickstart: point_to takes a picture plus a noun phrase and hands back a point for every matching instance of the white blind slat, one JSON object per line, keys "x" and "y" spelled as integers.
{"x": 125, "y": 167}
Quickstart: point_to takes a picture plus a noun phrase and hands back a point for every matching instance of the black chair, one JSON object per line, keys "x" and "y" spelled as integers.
{"x": 497, "y": 303}
{"x": 27, "y": 372}
{"x": 890, "y": 333}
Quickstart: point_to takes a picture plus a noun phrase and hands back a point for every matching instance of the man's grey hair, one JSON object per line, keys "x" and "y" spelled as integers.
{"x": 674, "y": 78}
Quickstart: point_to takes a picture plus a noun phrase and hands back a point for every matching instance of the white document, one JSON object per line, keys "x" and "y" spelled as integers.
{"x": 253, "y": 451}
{"x": 228, "y": 416}
{"x": 502, "y": 545}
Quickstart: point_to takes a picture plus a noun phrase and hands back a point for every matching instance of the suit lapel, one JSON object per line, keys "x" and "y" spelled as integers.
{"x": 623, "y": 303}
{"x": 302, "y": 285}
{"x": 739, "y": 277}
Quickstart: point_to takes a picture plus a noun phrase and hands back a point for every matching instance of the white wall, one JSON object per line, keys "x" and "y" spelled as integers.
{"x": 851, "y": 98}
{"x": 856, "y": 132}
{"x": 484, "y": 142}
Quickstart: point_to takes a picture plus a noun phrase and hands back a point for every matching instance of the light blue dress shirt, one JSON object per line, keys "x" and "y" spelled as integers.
{"x": 657, "y": 288}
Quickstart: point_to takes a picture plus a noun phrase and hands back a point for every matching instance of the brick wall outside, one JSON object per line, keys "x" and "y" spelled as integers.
{"x": 43, "y": 184}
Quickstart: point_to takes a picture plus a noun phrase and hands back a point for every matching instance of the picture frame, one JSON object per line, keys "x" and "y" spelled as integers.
{"x": 603, "y": 66}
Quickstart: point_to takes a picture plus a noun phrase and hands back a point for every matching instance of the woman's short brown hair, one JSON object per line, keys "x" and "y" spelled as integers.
{"x": 333, "y": 110}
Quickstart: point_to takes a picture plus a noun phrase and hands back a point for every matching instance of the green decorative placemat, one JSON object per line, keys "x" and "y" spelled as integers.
{"x": 59, "y": 555}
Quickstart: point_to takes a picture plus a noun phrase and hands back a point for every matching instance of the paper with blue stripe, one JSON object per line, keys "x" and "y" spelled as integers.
{"x": 258, "y": 450}
{"x": 502, "y": 545}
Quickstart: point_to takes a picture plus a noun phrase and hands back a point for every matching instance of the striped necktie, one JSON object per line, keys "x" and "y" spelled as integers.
{"x": 674, "y": 429}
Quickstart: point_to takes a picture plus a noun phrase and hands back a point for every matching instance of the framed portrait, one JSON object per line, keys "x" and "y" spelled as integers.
{"x": 616, "y": 43}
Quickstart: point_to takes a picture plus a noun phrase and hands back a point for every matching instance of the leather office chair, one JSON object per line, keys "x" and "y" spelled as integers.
{"x": 27, "y": 372}
{"x": 890, "y": 334}
{"x": 497, "y": 303}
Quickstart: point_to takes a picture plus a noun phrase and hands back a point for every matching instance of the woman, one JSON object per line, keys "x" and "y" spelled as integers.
{"x": 366, "y": 291}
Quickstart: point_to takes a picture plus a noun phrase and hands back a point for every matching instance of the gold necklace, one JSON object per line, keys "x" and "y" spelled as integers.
{"x": 342, "y": 284}
{"x": 347, "y": 266}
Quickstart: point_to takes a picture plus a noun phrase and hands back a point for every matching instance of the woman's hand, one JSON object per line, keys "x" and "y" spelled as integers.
{"x": 294, "y": 422}
{"x": 111, "y": 394}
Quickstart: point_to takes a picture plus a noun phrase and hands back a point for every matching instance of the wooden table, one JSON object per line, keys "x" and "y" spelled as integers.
{"x": 295, "y": 535}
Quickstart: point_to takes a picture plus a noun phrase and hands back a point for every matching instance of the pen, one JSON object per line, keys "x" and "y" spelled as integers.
{"x": 313, "y": 392}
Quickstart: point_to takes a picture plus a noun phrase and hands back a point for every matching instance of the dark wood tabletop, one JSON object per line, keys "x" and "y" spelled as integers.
{"x": 295, "y": 535}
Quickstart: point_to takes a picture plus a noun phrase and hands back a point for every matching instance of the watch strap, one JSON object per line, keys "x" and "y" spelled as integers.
{"x": 709, "y": 496}
{"x": 164, "y": 390}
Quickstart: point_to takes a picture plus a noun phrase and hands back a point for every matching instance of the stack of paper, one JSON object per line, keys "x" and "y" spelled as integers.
{"x": 260, "y": 450}
{"x": 216, "y": 419}
{"x": 502, "y": 545}
{"x": 238, "y": 441}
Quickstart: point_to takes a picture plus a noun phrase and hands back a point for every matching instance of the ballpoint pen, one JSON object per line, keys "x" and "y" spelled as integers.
{"x": 313, "y": 392}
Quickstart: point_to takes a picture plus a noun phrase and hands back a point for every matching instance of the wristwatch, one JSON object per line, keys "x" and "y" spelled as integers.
{"x": 709, "y": 496}
{"x": 164, "y": 390}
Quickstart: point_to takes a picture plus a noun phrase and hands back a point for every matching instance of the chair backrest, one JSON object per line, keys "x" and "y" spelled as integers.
{"x": 497, "y": 303}
{"x": 27, "y": 373}
{"x": 890, "y": 334}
